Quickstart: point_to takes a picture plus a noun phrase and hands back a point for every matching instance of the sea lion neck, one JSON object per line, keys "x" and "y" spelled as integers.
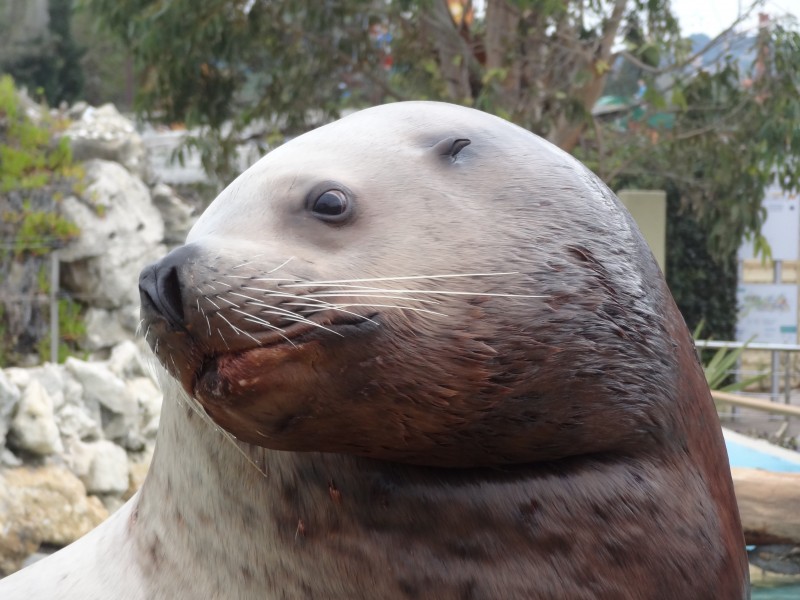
{"x": 208, "y": 521}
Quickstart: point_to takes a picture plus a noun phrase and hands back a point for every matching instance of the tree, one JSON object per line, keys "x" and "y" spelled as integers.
{"x": 248, "y": 68}
{"x": 47, "y": 62}
{"x": 540, "y": 63}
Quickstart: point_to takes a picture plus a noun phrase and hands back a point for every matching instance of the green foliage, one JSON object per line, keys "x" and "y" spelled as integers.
{"x": 38, "y": 230}
{"x": 71, "y": 329}
{"x": 35, "y": 173}
{"x": 261, "y": 66}
{"x": 261, "y": 69}
{"x": 717, "y": 136}
{"x": 28, "y": 157}
{"x": 30, "y": 160}
{"x": 717, "y": 369}
{"x": 703, "y": 285}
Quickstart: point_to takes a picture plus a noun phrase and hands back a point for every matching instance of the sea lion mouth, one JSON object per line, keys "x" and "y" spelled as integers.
{"x": 230, "y": 373}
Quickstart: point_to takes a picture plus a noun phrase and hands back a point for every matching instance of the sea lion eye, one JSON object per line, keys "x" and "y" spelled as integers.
{"x": 331, "y": 205}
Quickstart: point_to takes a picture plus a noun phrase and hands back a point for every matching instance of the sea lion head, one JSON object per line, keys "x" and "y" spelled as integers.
{"x": 424, "y": 283}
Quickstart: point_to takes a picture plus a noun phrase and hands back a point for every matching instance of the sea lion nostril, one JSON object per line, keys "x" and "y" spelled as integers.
{"x": 168, "y": 285}
{"x": 160, "y": 285}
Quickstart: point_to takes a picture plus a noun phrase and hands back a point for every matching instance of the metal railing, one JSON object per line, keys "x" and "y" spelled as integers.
{"x": 775, "y": 372}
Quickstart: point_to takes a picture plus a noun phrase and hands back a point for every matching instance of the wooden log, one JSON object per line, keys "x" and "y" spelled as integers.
{"x": 745, "y": 402}
{"x": 769, "y": 505}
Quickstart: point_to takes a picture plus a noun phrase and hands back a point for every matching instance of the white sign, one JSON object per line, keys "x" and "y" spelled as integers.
{"x": 767, "y": 313}
{"x": 781, "y": 228}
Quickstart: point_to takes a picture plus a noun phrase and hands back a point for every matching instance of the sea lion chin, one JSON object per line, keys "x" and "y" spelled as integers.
{"x": 444, "y": 364}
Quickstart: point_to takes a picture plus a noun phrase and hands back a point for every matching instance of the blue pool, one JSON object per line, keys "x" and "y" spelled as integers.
{"x": 759, "y": 454}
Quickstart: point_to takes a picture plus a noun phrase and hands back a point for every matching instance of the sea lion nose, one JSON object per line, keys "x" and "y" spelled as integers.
{"x": 160, "y": 285}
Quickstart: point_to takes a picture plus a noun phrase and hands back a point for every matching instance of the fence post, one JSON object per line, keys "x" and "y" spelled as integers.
{"x": 777, "y": 277}
{"x": 54, "y": 277}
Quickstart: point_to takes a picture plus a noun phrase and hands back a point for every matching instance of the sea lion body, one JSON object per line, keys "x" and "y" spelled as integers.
{"x": 452, "y": 369}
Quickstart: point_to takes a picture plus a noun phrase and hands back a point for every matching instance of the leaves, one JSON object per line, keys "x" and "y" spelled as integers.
{"x": 260, "y": 69}
{"x": 719, "y": 368}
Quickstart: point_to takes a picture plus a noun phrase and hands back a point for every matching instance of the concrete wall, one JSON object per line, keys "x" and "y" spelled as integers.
{"x": 649, "y": 210}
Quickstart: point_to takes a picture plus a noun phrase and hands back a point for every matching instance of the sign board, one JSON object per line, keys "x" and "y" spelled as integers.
{"x": 781, "y": 228}
{"x": 767, "y": 313}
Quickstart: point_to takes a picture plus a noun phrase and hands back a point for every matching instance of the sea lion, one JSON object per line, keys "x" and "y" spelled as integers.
{"x": 445, "y": 365}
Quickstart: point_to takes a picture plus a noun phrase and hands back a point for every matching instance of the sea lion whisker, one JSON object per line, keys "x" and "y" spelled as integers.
{"x": 248, "y": 262}
{"x": 385, "y": 296}
{"x": 221, "y": 297}
{"x": 275, "y": 310}
{"x": 283, "y": 264}
{"x": 403, "y": 278}
{"x": 276, "y": 294}
{"x": 278, "y": 279}
{"x": 212, "y": 303}
{"x": 329, "y": 306}
{"x": 258, "y": 321}
{"x": 297, "y": 319}
{"x": 360, "y": 293}
{"x": 235, "y": 443}
{"x": 411, "y": 308}
{"x": 198, "y": 410}
{"x": 285, "y": 314}
{"x": 222, "y": 337}
{"x": 223, "y": 283}
{"x": 267, "y": 323}
{"x": 257, "y": 302}
{"x": 432, "y": 292}
{"x": 236, "y": 330}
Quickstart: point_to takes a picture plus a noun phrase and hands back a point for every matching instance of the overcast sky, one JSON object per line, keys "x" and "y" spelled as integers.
{"x": 712, "y": 17}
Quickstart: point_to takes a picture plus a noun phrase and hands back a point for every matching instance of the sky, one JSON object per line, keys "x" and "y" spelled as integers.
{"x": 713, "y": 16}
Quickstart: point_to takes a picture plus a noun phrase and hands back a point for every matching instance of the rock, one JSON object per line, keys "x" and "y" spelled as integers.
{"x": 148, "y": 397}
{"x": 52, "y": 379}
{"x": 102, "y": 386}
{"x": 132, "y": 441}
{"x": 9, "y": 459}
{"x": 76, "y": 111}
{"x": 9, "y": 397}
{"x": 121, "y": 232}
{"x": 126, "y": 361}
{"x": 42, "y": 505}
{"x": 19, "y": 377}
{"x": 103, "y": 329}
{"x": 34, "y": 428}
{"x": 118, "y": 207}
{"x": 104, "y": 133}
{"x": 108, "y": 471}
{"x": 176, "y": 213}
{"x": 73, "y": 391}
{"x": 78, "y": 456}
{"x": 78, "y": 421}
{"x": 118, "y": 408}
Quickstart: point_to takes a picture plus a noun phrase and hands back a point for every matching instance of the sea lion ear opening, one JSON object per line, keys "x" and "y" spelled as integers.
{"x": 450, "y": 147}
